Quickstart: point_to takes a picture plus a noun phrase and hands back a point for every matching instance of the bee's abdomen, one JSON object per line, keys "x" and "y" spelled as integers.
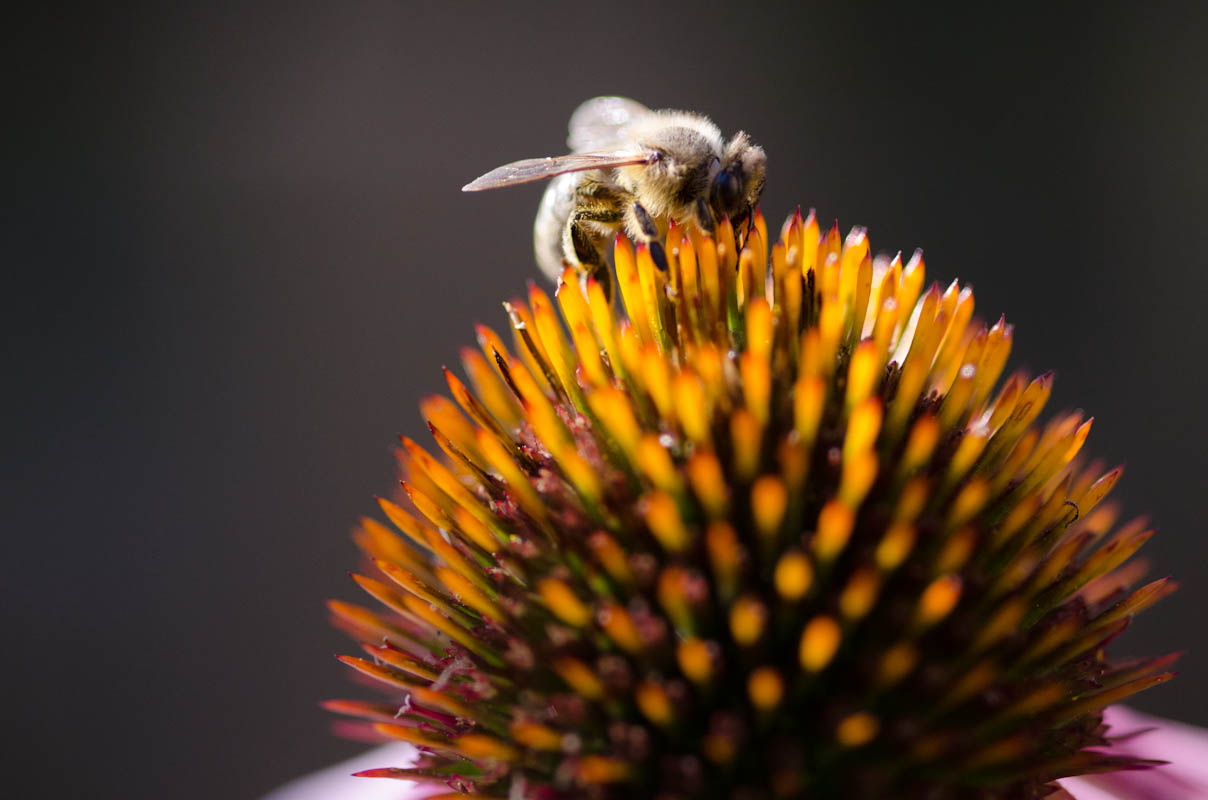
{"x": 552, "y": 214}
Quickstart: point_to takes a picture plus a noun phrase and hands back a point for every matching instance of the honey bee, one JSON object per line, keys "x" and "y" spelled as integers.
{"x": 636, "y": 169}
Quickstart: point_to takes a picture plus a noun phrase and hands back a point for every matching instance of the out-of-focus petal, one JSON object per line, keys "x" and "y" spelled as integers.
{"x": 336, "y": 782}
{"x": 1083, "y": 789}
{"x": 1184, "y": 746}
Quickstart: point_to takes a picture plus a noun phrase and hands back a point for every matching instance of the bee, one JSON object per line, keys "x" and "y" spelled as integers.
{"x": 635, "y": 169}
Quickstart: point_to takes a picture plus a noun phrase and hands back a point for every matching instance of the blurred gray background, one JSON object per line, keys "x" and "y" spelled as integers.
{"x": 236, "y": 256}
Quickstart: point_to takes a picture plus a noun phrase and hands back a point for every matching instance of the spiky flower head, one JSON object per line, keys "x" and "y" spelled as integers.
{"x": 766, "y": 528}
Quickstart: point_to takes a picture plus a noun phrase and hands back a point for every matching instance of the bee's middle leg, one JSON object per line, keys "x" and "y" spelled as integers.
{"x": 587, "y": 243}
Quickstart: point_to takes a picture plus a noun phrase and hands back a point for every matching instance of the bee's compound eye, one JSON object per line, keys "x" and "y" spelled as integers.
{"x": 726, "y": 191}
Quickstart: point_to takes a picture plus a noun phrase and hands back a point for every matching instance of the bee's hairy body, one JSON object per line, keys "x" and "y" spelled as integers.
{"x": 634, "y": 170}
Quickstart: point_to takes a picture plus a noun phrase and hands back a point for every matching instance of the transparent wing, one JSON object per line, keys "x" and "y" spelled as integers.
{"x": 600, "y": 123}
{"x": 538, "y": 169}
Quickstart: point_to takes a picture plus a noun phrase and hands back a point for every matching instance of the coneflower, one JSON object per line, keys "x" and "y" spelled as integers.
{"x": 771, "y": 526}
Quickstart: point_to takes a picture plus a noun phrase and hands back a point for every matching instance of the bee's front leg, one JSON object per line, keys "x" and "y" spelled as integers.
{"x": 704, "y": 216}
{"x": 749, "y": 219}
{"x": 639, "y": 221}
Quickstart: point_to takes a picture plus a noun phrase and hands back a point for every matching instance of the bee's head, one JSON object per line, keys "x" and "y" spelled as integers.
{"x": 737, "y": 186}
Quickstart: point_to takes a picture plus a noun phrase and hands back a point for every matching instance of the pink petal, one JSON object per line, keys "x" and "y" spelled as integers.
{"x": 1184, "y": 746}
{"x": 336, "y": 782}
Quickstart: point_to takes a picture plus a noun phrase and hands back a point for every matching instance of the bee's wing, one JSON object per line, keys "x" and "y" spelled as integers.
{"x": 538, "y": 169}
{"x": 600, "y": 123}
